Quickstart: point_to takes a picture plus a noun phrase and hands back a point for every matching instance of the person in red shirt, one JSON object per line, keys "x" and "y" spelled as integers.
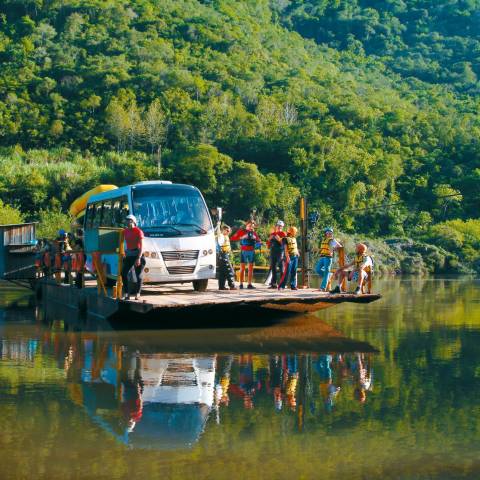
{"x": 248, "y": 241}
{"x": 133, "y": 256}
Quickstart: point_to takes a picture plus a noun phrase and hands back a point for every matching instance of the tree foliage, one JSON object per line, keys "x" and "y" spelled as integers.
{"x": 357, "y": 104}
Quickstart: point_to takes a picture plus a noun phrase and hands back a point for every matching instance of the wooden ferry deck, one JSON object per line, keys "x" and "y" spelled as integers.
{"x": 160, "y": 303}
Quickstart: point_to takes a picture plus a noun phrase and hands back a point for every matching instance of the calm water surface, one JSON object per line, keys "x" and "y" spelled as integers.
{"x": 387, "y": 390}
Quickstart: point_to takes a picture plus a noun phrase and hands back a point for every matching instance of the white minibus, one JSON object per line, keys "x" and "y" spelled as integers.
{"x": 179, "y": 244}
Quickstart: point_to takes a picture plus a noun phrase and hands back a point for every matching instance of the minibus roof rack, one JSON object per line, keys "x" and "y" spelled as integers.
{"x": 154, "y": 182}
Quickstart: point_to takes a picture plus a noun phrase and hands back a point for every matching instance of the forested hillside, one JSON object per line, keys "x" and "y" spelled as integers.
{"x": 433, "y": 41}
{"x": 368, "y": 108}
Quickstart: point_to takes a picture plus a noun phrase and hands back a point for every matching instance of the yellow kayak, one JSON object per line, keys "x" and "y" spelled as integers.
{"x": 79, "y": 205}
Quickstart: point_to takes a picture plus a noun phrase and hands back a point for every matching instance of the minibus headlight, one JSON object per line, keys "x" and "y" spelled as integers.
{"x": 205, "y": 253}
{"x": 210, "y": 251}
{"x": 147, "y": 254}
{"x": 154, "y": 255}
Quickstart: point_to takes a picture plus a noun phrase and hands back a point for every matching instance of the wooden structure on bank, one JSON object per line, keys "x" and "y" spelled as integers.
{"x": 17, "y": 251}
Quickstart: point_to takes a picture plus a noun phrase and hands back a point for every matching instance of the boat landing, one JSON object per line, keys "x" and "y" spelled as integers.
{"x": 166, "y": 301}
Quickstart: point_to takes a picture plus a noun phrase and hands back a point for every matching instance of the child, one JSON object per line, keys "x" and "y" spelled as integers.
{"x": 291, "y": 257}
{"x": 248, "y": 241}
{"x": 361, "y": 265}
{"x": 324, "y": 264}
{"x": 275, "y": 244}
{"x": 225, "y": 269}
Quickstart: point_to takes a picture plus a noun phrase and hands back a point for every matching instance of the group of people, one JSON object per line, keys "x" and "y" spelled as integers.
{"x": 356, "y": 271}
{"x": 64, "y": 253}
{"x": 283, "y": 255}
{"x": 284, "y": 258}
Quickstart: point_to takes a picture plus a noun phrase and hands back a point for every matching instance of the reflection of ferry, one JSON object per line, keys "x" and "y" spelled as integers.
{"x": 177, "y": 398}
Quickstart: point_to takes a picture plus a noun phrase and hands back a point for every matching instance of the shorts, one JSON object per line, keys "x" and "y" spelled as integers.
{"x": 353, "y": 276}
{"x": 247, "y": 256}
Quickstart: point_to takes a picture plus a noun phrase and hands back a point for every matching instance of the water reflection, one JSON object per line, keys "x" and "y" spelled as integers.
{"x": 144, "y": 400}
{"x": 165, "y": 400}
{"x": 303, "y": 399}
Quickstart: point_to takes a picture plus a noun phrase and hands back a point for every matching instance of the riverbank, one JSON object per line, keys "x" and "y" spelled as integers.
{"x": 397, "y": 256}
{"x": 410, "y": 257}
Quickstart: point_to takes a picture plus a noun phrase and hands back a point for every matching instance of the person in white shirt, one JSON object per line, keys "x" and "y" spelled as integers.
{"x": 362, "y": 266}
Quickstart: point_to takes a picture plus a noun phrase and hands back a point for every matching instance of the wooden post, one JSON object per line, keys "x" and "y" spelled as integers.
{"x": 121, "y": 252}
{"x": 99, "y": 272}
{"x": 303, "y": 230}
{"x": 341, "y": 263}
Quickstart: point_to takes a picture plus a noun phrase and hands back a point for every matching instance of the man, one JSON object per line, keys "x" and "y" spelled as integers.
{"x": 274, "y": 243}
{"x": 133, "y": 256}
{"x": 248, "y": 241}
{"x": 362, "y": 264}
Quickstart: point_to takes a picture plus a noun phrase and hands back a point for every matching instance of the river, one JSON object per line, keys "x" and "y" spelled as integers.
{"x": 378, "y": 391}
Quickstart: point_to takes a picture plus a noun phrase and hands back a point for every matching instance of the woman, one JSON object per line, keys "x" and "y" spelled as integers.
{"x": 133, "y": 256}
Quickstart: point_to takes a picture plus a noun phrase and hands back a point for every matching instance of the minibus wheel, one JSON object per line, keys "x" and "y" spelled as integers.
{"x": 200, "y": 285}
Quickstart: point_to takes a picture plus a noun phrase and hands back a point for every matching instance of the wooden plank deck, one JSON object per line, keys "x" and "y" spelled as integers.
{"x": 166, "y": 301}
{"x": 176, "y": 296}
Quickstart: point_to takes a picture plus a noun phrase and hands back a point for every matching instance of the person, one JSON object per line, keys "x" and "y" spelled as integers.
{"x": 225, "y": 268}
{"x": 47, "y": 258}
{"x": 133, "y": 256}
{"x": 274, "y": 243}
{"x": 361, "y": 265}
{"x": 291, "y": 256}
{"x": 38, "y": 249}
{"x": 324, "y": 264}
{"x": 62, "y": 256}
{"x": 249, "y": 239}
{"x": 79, "y": 258}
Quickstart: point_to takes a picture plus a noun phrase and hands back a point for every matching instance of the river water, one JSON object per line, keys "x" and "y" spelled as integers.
{"x": 386, "y": 390}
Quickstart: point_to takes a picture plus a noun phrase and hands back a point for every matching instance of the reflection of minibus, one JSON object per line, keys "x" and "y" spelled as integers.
{"x": 179, "y": 244}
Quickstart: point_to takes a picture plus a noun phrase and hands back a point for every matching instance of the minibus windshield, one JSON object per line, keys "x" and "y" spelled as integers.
{"x": 171, "y": 209}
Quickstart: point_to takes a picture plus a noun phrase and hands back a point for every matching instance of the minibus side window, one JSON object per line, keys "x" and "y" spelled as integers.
{"x": 107, "y": 214}
{"x": 90, "y": 216}
{"x": 97, "y": 219}
{"x": 124, "y": 211}
{"x": 116, "y": 214}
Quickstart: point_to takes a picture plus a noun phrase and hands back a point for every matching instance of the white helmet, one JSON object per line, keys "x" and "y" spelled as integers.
{"x": 132, "y": 217}
{"x": 280, "y": 223}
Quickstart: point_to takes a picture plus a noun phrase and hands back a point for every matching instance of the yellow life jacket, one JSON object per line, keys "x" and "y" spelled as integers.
{"x": 359, "y": 259}
{"x": 226, "y": 248}
{"x": 292, "y": 246}
{"x": 325, "y": 250}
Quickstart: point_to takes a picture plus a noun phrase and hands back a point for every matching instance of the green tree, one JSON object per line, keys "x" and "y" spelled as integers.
{"x": 10, "y": 215}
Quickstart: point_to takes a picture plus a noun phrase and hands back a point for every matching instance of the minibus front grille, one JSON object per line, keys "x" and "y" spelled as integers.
{"x": 185, "y": 270}
{"x": 180, "y": 255}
